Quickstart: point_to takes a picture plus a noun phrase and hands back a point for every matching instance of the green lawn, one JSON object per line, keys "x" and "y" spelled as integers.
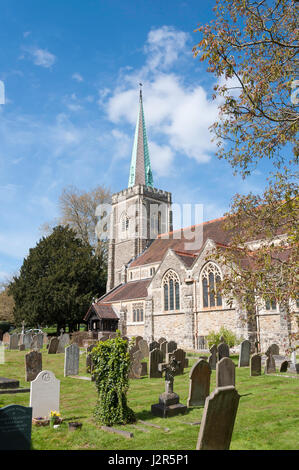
{"x": 267, "y": 419}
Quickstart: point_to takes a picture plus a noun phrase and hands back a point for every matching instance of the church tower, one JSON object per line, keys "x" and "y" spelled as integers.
{"x": 139, "y": 213}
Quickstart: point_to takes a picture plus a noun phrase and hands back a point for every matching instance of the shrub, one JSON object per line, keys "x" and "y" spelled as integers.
{"x": 111, "y": 364}
{"x": 229, "y": 337}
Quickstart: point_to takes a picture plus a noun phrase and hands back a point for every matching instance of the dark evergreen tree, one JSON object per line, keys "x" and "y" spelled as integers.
{"x": 57, "y": 280}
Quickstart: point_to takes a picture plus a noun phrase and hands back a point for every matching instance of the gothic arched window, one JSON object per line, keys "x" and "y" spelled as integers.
{"x": 210, "y": 279}
{"x": 124, "y": 222}
{"x": 171, "y": 291}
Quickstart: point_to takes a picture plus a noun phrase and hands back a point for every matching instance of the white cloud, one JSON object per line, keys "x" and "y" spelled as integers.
{"x": 77, "y": 77}
{"x": 178, "y": 116}
{"x": 41, "y": 57}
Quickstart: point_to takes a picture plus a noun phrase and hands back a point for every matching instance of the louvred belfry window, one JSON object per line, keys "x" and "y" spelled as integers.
{"x": 171, "y": 291}
{"x": 210, "y": 279}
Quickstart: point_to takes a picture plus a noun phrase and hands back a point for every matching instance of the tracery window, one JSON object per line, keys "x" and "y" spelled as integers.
{"x": 138, "y": 313}
{"x": 171, "y": 291}
{"x": 210, "y": 279}
{"x": 271, "y": 304}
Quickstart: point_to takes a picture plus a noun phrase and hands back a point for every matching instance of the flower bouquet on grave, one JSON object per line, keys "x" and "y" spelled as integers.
{"x": 54, "y": 418}
{"x": 40, "y": 421}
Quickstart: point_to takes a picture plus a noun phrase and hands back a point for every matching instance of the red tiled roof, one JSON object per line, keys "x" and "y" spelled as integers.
{"x": 156, "y": 251}
{"x": 131, "y": 290}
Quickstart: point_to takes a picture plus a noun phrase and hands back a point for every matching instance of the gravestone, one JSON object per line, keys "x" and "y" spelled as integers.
{"x": 5, "y": 338}
{"x": 270, "y": 367}
{"x": 255, "y": 365}
{"x": 89, "y": 365}
{"x": 180, "y": 356}
{"x": 199, "y": 386}
{"x": 102, "y": 337}
{"x": 225, "y": 372}
{"x": 244, "y": 357}
{"x": 169, "y": 404}
{"x": 163, "y": 348}
{"x": 71, "y": 360}
{"x": 137, "y": 339}
{"x": 13, "y": 341}
{"x": 40, "y": 340}
{"x": 15, "y": 427}
{"x": 218, "y": 419}
{"x": 44, "y": 394}
{"x": 284, "y": 366}
{"x": 155, "y": 358}
{"x": 33, "y": 365}
{"x": 143, "y": 369}
{"x": 22, "y": 347}
{"x": 53, "y": 345}
{"x": 223, "y": 350}
{"x": 153, "y": 345}
{"x": 135, "y": 366}
{"x": 213, "y": 357}
{"x": 36, "y": 342}
{"x": 64, "y": 341}
{"x": 161, "y": 340}
{"x": 272, "y": 349}
{"x": 27, "y": 340}
{"x": 171, "y": 346}
{"x": 143, "y": 347}
{"x": 293, "y": 357}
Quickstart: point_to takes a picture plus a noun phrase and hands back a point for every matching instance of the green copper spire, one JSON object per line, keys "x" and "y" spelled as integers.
{"x": 140, "y": 170}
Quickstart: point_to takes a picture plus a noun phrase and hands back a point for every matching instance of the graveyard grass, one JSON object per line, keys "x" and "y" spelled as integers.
{"x": 267, "y": 417}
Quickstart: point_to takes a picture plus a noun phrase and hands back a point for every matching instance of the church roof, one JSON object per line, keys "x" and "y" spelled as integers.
{"x": 130, "y": 291}
{"x": 102, "y": 310}
{"x": 140, "y": 169}
{"x": 181, "y": 242}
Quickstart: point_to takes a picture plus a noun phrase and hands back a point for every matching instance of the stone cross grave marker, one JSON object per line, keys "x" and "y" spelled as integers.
{"x": 218, "y": 419}
{"x": 169, "y": 404}
{"x": 33, "y": 365}
{"x": 155, "y": 358}
{"x": 15, "y": 427}
{"x": 44, "y": 394}
{"x": 255, "y": 365}
{"x": 244, "y": 357}
{"x": 225, "y": 372}
{"x": 199, "y": 386}
{"x": 71, "y": 360}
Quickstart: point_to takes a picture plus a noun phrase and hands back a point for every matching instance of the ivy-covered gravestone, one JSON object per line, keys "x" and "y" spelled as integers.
{"x": 111, "y": 366}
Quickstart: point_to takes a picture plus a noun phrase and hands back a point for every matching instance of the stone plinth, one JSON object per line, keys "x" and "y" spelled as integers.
{"x": 168, "y": 406}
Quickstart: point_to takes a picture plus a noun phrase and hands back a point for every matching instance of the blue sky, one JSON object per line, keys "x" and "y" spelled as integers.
{"x": 71, "y": 70}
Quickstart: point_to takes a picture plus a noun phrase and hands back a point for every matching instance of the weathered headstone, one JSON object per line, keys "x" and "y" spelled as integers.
{"x": 223, "y": 350}
{"x": 163, "y": 348}
{"x": 180, "y": 356}
{"x": 255, "y": 365}
{"x": 155, "y": 358}
{"x": 89, "y": 365}
{"x": 22, "y": 347}
{"x": 143, "y": 369}
{"x": 143, "y": 347}
{"x": 225, "y": 372}
{"x": 218, "y": 419}
{"x": 293, "y": 357}
{"x": 33, "y": 365}
{"x": 71, "y": 360}
{"x": 171, "y": 346}
{"x": 5, "y": 338}
{"x": 213, "y": 357}
{"x": 137, "y": 339}
{"x": 270, "y": 367}
{"x": 13, "y": 341}
{"x": 272, "y": 349}
{"x": 135, "y": 367}
{"x": 199, "y": 387}
{"x": 64, "y": 341}
{"x": 15, "y": 427}
{"x": 244, "y": 356}
{"x": 153, "y": 345}
{"x": 27, "y": 340}
{"x": 44, "y": 394}
{"x": 161, "y": 340}
{"x": 53, "y": 345}
{"x": 284, "y": 366}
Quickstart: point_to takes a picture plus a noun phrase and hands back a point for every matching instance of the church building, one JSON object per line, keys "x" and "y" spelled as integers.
{"x": 161, "y": 285}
